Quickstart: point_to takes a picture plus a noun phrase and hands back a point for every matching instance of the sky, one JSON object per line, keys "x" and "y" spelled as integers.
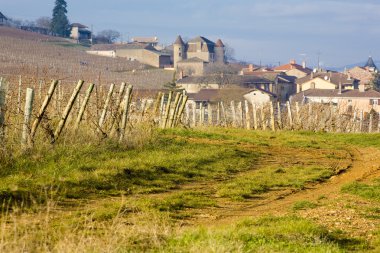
{"x": 341, "y": 32}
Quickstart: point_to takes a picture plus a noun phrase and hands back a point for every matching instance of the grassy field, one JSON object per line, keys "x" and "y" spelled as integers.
{"x": 208, "y": 190}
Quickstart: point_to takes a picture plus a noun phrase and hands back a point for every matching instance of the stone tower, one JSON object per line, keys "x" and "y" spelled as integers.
{"x": 178, "y": 51}
{"x": 219, "y": 52}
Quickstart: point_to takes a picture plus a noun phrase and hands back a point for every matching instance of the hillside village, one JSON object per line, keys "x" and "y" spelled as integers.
{"x": 159, "y": 138}
{"x": 202, "y": 70}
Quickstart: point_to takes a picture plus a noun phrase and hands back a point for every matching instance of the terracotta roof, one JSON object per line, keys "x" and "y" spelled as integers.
{"x": 179, "y": 41}
{"x": 291, "y": 66}
{"x": 333, "y": 77}
{"x": 370, "y": 94}
{"x": 78, "y": 25}
{"x": 219, "y": 43}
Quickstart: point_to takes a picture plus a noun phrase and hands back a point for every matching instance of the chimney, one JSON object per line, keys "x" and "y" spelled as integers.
{"x": 311, "y": 75}
{"x": 250, "y": 67}
{"x": 349, "y": 76}
{"x": 361, "y": 88}
{"x": 304, "y": 64}
{"x": 292, "y": 61}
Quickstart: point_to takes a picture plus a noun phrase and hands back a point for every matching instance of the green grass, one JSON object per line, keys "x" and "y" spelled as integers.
{"x": 269, "y": 234}
{"x": 303, "y": 205}
{"x": 273, "y": 177}
{"x": 166, "y": 181}
{"x": 367, "y": 191}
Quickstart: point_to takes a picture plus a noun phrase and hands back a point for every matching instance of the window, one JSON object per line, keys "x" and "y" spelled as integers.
{"x": 373, "y": 102}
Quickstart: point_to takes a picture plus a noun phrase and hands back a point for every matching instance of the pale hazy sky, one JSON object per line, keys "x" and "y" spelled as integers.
{"x": 270, "y": 31}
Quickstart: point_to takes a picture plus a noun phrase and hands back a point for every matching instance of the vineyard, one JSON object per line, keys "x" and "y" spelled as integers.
{"x": 96, "y": 156}
{"x": 38, "y": 57}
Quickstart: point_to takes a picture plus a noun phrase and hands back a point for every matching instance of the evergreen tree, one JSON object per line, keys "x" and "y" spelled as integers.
{"x": 60, "y": 24}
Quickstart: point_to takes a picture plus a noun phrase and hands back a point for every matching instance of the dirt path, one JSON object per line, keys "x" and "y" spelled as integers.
{"x": 365, "y": 166}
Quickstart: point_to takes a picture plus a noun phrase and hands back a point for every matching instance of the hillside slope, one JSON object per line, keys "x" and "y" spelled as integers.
{"x": 45, "y": 57}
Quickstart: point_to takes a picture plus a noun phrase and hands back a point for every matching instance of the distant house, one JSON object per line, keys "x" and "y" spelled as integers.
{"x": 283, "y": 85}
{"x": 152, "y": 41}
{"x": 3, "y": 19}
{"x": 326, "y": 80}
{"x": 294, "y": 69}
{"x": 362, "y": 74}
{"x": 366, "y": 73}
{"x": 80, "y": 32}
{"x": 259, "y": 96}
{"x": 143, "y": 53}
{"x": 192, "y": 57}
{"x": 358, "y": 99}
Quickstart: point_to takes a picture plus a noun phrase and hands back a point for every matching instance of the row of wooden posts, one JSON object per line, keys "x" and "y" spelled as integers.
{"x": 170, "y": 109}
{"x": 276, "y": 116}
{"x": 29, "y": 129}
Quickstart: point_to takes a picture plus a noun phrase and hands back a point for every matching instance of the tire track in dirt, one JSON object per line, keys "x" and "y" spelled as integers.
{"x": 365, "y": 166}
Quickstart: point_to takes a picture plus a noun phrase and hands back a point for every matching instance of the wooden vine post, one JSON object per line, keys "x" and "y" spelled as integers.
{"x": 209, "y": 114}
{"x": 247, "y": 115}
{"x": 272, "y": 123}
{"x": 116, "y": 117}
{"x": 67, "y": 111}
{"x": 2, "y": 108}
{"x": 167, "y": 110}
{"x": 180, "y": 112}
{"x": 290, "y": 114}
{"x": 174, "y": 109}
{"x": 84, "y": 105}
{"x": 41, "y": 113}
{"x": 27, "y": 116}
{"x": 254, "y": 111}
{"x": 279, "y": 115}
{"x": 105, "y": 108}
{"x": 127, "y": 101}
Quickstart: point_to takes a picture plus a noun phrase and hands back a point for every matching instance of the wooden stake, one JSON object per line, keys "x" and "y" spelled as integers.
{"x": 224, "y": 113}
{"x": 272, "y": 117}
{"x": 126, "y": 103}
{"x": 27, "y": 115}
{"x": 84, "y": 105}
{"x": 233, "y": 113}
{"x": 247, "y": 115}
{"x": 263, "y": 122}
{"x": 105, "y": 108}
{"x": 175, "y": 109}
{"x": 19, "y": 95}
{"x": 184, "y": 103}
{"x": 209, "y": 114}
{"x": 66, "y": 113}
{"x": 254, "y": 111}
{"x": 117, "y": 115}
{"x": 279, "y": 115}
{"x": 167, "y": 109}
{"x": 45, "y": 104}
{"x": 290, "y": 114}
{"x": 370, "y": 123}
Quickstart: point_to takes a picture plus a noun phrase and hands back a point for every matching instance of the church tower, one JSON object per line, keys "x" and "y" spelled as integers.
{"x": 178, "y": 51}
{"x": 219, "y": 52}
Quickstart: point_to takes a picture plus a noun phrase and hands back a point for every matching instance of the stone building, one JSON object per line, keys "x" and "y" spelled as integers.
{"x": 80, "y": 32}
{"x": 143, "y": 53}
{"x": 192, "y": 57}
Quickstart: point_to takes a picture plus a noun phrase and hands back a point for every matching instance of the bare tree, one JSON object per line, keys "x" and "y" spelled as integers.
{"x": 229, "y": 53}
{"x": 110, "y": 36}
{"x": 43, "y": 22}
